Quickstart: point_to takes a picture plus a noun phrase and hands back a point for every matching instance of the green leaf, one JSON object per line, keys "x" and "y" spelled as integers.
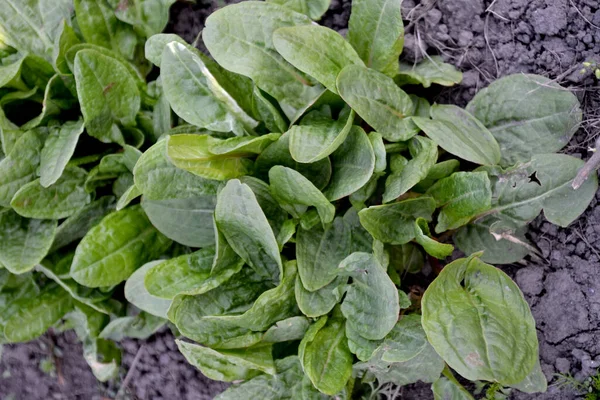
{"x": 137, "y": 294}
{"x": 475, "y": 316}
{"x": 462, "y": 196}
{"x": 319, "y": 251}
{"x": 267, "y": 112}
{"x": 461, "y": 134}
{"x": 189, "y": 274}
{"x": 57, "y": 98}
{"x": 319, "y": 302}
{"x": 371, "y": 304}
{"x": 444, "y": 389}
{"x": 377, "y": 99}
{"x": 58, "y": 150}
{"x": 107, "y": 94}
{"x": 24, "y": 242}
{"x": 32, "y": 25}
{"x": 241, "y": 220}
{"x": 316, "y": 50}
{"x": 10, "y": 73}
{"x": 155, "y": 46}
{"x": 147, "y": 16}
{"x": 240, "y": 45}
{"x": 312, "y": 8}
{"x": 286, "y": 330}
{"x": 142, "y": 326}
{"x": 535, "y": 382}
{"x": 393, "y": 223}
{"x": 131, "y": 194}
{"x": 358, "y": 345}
{"x": 65, "y": 40}
{"x": 326, "y": 358}
{"x": 439, "y": 171}
{"x": 191, "y": 153}
{"x": 20, "y": 165}
{"x": 228, "y": 365}
{"x": 362, "y": 240}
{"x": 406, "y": 258}
{"x": 99, "y": 25}
{"x": 291, "y": 190}
{"x": 112, "y": 250}
{"x": 528, "y": 115}
{"x": 61, "y": 200}
{"x": 278, "y": 153}
{"x": 36, "y": 314}
{"x": 376, "y": 31}
{"x": 195, "y": 94}
{"x": 318, "y": 136}
{"x": 405, "y": 341}
{"x": 425, "y": 154}
{"x": 431, "y": 246}
{"x": 519, "y": 194}
{"x": 431, "y": 70}
{"x": 353, "y": 165}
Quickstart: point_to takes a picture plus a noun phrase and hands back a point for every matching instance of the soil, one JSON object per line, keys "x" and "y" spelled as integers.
{"x": 486, "y": 39}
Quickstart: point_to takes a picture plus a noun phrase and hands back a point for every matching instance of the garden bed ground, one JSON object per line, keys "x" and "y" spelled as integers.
{"x": 486, "y": 40}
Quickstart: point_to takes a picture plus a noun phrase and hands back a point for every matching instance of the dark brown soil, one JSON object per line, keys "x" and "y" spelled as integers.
{"x": 486, "y": 39}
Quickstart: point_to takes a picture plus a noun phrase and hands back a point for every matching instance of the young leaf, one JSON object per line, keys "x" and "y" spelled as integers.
{"x": 353, "y": 165}
{"x": 311, "y": 8}
{"x": 67, "y": 39}
{"x": 316, "y": 50}
{"x": 393, "y": 223}
{"x": 286, "y": 330}
{"x": 290, "y": 189}
{"x": 24, "y": 242}
{"x": 107, "y": 94}
{"x": 431, "y": 70}
{"x": 241, "y": 220}
{"x": 461, "y": 134}
{"x": 494, "y": 320}
{"x": 431, "y": 246}
{"x": 425, "y": 153}
{"x": 137, "y": 294}
{"x": 371, "y": 304}
{"x": 112, "y": 250}
{"x": 377, "y": 99}
{"x": 462, "y": 196}
{"x": 528, "y": 115}
{"x": 241, "y": 45}
{"x": 319, "y": 302}
{"x": 61, "y": 200}
{"x": 58, "y": 150}
{"x": 376, "y": 31}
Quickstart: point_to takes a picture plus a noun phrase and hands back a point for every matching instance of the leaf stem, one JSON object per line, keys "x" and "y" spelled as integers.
{"x": 590, "y": 166}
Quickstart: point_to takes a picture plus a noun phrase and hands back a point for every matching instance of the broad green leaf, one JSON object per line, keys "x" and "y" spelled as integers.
{"x": 112, "y": 250}
{"x": 406, "y": 258}
{"x": 141, "y": 326}
{"x": 462, "y": 196}
{"x": 405, "y": 341}
{"x": 312, "y": 8}
{"x": 196, "y": 95}
{"x": 266, "y": 111}
{"x": 393, "y": 223}
{"x": 326, "y": 358}
{"x": 535, "y": 382}
{"x": 24, "y": 242}
{"x": 527, "y": 114}
{"x": 107, "y": 94}
{"x": 353, "y": 165}
{"x": 376, "y": 31}
{"x": 58, "y": 150}
{"x": 189, "y": 274}
{"x": 243, "y": 145}
{"x": 268, "y": 387}
{"x": 191, "y": 153}
{"x": 425, "y": 153}
{"x": 155, "y": 46}
{"x": 61, "y": 200}
{"x": 432, "y": 70}
{"x": 318, "y": 136}
{"x": 439, "y": 171}
{"x": 76, "y": 226}
{"x": 10, "y": 73}
{"x": 241, "y": 220}
{"x": 319, "y": 302}
{"x": 431, "y": 246}
{"x": 286, "y": 330}
{"x": 66, "y": 39}
{"x": 316, "y": 50}
{"x": 319, "y": 251}
{"x": 131, "y": 194}
{"x": 242, "y": 46}
{"x": 99, "y": 25}
{"x": 445, "y": 389}
{"x": 292, "y": 189}
{"x": 362, "y": 240}
{"x": 147, "y": 16}
{"x": 379, "y": 150}
{"x": 278, "y": 153}
{"x": 57, "y": 98}
{"x": 36, "y": 314}
{"x": 20, "y": 165}
{"x": 14, "y": 289}
{"x": 33, "y": 25}
{"x": 371, "y": 304}
{"x": 461, "y": 134}
{"x": 519, "y": 194}
{"x": 228, "y": 365}
{"x": 378, "y": 100}
{"x": 137, "y": 294}
{"x": 499, "y": 243}
{"x": 476, "y": 318}
{"x": 358, "y": 345}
